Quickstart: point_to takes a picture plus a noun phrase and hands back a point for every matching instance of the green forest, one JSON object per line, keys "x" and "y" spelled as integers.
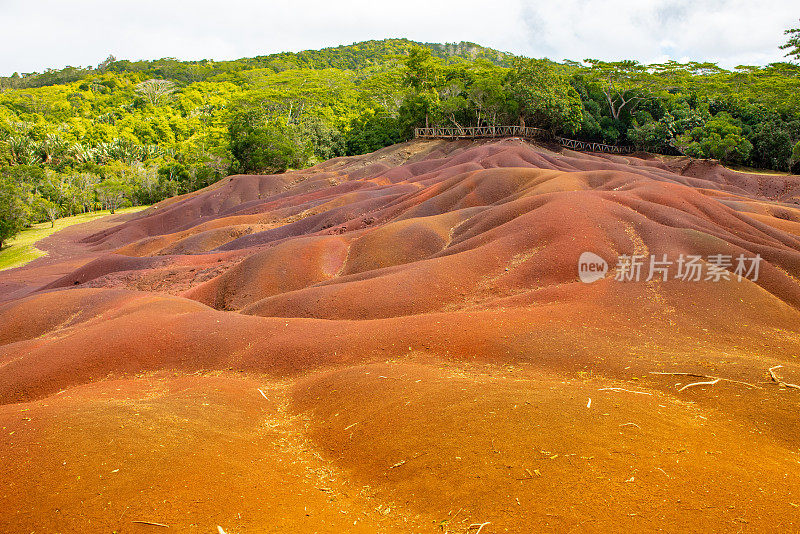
{"x": 135, "y": 132}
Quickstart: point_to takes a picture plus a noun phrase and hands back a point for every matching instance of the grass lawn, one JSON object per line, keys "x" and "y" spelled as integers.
{"x": 21, "y": 249}
{"x": 753, "y": 170}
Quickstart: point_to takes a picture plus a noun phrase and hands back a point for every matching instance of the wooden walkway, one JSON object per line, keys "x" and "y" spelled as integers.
{"x": 491, "y": 132}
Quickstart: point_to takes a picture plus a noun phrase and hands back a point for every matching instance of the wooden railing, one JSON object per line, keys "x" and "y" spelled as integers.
{"x": 479, "y": 132}
{"x": 491, "y": 132}
{"x": 587, "y": 146}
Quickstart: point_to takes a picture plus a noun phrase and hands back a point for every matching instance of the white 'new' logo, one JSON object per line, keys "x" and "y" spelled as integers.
{"x": 591, "y": 267}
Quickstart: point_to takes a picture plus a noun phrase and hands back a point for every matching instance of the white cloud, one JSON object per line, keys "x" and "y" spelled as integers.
{"x": 730, "y": 32}
{"x": 54, "y": 33}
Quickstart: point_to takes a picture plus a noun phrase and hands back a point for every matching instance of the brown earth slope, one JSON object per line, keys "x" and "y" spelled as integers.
{"x": 399, "y": 342}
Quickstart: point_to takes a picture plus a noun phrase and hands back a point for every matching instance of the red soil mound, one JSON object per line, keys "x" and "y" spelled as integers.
{"x": 517, "y": 447}
{"x": 423, "y": 344}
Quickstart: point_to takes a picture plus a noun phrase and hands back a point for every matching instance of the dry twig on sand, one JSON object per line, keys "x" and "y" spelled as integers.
{"x": 626, "y": 390}
{"x": 693, "y": 384}
{"x": 529, "y": 472}
{"x": 402, "y": 462}
{"x": 778, "y": 381}
{"x": 150, "y": 523}
{"x": 713, "y": 379}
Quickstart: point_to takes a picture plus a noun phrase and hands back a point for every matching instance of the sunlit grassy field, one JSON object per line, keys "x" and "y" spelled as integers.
{"x": 21, "y": 250}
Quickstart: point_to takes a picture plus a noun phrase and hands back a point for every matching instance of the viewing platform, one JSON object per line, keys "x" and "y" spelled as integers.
{"x": 526, "y": 132}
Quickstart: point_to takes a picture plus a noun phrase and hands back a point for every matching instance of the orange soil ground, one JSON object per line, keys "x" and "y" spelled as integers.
{"x": 399, "y": 342}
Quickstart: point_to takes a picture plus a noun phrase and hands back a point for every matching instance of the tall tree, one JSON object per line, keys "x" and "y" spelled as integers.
{"x": 793, "y": 44}
{"x": 260, "y": 144}
{"x": 423, "y": 76}
{"x": 625, "y": 84}
{"x": 422, "y": 70}
{"x": 112, "y": 192}
{"x": 47, "y": 208}
{"x": 543, "y": 97}
{"x": 156, "y": 91}
{"x": 14, "y": 212}
{"x": 795, "y": 160}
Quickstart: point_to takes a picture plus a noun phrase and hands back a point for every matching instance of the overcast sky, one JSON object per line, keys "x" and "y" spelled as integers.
{"x": 37, "y": 34}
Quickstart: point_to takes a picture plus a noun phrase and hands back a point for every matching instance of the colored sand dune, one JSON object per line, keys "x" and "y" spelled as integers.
{"x": 400, "y": 342}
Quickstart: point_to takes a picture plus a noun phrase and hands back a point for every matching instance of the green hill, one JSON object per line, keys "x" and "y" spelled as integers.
{"x": 346, "y": 57}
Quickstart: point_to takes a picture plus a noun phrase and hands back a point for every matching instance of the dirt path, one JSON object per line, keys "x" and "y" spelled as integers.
{"x": 65, "y": 253}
